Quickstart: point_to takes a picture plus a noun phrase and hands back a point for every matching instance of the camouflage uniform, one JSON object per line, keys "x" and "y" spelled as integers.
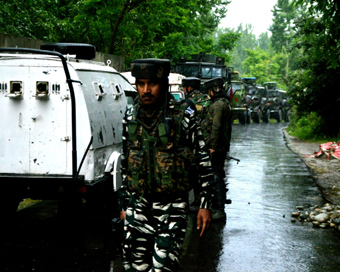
{"x": 217, "y": 123}
{"x": 155, "y": 170}
{"x": 202, "y": 103}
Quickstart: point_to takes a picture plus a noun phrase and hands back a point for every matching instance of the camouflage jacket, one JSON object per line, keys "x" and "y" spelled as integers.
{"x": 155, "y": 163}
{"x": 218, "y": 124}
{"x": 200, "y": 100}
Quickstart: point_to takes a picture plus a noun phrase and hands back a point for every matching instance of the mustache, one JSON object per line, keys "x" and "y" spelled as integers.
{"x": 148, "y": 95}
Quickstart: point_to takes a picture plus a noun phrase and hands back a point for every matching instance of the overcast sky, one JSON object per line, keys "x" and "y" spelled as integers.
{"x": 255, "y": 12}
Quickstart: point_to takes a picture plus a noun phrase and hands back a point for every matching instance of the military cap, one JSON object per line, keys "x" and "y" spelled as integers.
{"x": 215, "y": 82}
{"x": 193, "y": 82}
{"x": 150, "y": 68}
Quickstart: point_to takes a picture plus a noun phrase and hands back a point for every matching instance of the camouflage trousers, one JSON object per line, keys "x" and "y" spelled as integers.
{"x": 154, "y": 233}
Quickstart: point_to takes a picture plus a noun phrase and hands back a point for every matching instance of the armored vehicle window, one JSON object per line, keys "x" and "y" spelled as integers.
{"x": 99, "y": 90}
{"x": 188, "y": 70}
{"x": 42, "y": 88}
{"x": 16, "y": 87}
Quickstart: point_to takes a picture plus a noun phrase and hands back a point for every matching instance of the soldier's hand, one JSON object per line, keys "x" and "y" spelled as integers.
{"x": 203, "y": 220}
{"x": 122, "y": 215}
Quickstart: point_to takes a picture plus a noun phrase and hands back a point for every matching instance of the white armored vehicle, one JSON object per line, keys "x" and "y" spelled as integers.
{"x": 61, "y": 130}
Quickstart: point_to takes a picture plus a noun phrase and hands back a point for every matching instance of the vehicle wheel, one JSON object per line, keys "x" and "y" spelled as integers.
{"x": 256, "y": 118}
{"x": 265, "y": 116}
{"x": 279, "y": 116}
{"x": 286, "y": 115}
{"x": 81, "y": 50}
{"x": 247, "y": 116}
{"x": 242, "y": 118}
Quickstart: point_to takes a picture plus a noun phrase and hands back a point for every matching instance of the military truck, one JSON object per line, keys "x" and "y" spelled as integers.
{"x": 61, "y": 127}
{"x": 239, "y": 106}
{"x": 255, "y": 103}
{"x": 202, "y": 66}
{"x": 272, "y": 108}
{"x": 206, "y": 67}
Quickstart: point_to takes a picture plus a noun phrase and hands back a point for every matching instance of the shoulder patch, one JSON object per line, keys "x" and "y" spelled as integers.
{"x": 189, "y": 110}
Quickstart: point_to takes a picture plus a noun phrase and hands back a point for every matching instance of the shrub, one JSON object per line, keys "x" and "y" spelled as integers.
{"x": 307, "y": 127}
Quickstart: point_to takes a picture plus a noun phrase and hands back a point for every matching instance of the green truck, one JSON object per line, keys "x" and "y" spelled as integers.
{"x": 206, "y": 67}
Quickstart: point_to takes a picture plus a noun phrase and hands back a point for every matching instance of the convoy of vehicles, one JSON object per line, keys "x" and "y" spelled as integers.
{"x": 61, "y": 126}
{"x": 61, "y": 120}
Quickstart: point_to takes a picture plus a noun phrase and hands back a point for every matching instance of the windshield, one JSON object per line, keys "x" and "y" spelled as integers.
{"x": 207, "y": 71}
{"x": 236, "y": 86}
{"x": 270, "y": 85}
{"x": 262, "y": 92}
{"x": 211, "y": 71}
{"x": 188, "y": 70}
{"x": 272, "y": 94}
{"x": 249, "y": 81}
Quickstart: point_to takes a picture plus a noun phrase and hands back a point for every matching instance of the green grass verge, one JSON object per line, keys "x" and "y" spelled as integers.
{"x": 27, "y": 203}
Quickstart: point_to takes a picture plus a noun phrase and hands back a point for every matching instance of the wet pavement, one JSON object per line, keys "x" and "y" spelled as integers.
{"x": 265, "y": 187}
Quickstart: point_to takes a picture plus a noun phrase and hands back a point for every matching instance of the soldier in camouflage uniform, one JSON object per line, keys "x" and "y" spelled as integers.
{"x": 191, "y": 88}
{"x": 162, "y": 142}
{"x": 217, "y": 125}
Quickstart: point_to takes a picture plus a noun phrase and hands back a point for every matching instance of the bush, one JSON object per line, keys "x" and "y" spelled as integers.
{"x": 307, "y": 127}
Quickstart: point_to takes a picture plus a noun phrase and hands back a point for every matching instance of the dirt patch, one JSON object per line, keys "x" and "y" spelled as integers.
{"x": 326, "y": 172}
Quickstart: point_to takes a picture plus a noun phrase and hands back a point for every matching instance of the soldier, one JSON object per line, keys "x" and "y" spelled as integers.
{"x": 160, "y": 138}
{"x": 191, "y": 88}
{"x": 217, "y": 125}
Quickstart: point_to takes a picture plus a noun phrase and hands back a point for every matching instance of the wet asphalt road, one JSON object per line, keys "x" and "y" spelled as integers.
{"x": 258, "y": 235}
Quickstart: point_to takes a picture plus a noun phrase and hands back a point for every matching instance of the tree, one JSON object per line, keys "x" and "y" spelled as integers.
{"x": 284, "y": 14}
{"x": 263, "y": 41}
{"x": 148, "y": 28}
{"x": 313, "y": 86}
{"x": 130, "y": 28}
{"x": 263, "y": 65}
{"x": 246, "y": 41}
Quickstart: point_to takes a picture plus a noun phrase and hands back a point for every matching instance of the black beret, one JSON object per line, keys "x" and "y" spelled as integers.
{"x": 215, "y": 82}
{"x": 150, "y": 68}
{"x": 193, "y": 82}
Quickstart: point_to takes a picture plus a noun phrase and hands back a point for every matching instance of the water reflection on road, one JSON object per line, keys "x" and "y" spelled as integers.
{"x": 264, "y": 188}
{"x": 259, "y": 235}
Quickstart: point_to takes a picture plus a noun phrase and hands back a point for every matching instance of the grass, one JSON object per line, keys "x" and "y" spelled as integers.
{"x": 27, "y": 202}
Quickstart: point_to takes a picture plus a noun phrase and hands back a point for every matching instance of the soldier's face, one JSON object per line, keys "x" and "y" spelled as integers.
{"x": 149, "y": 91}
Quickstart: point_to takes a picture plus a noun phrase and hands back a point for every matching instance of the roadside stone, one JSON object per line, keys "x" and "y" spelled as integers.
{"x": 322, "y": 217}
{"x": 295, "y": 214}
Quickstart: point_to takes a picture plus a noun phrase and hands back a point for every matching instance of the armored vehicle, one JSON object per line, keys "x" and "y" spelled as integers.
{"x": 255, "y": 103}
{"x": 239, "y": 105}
{"x": 202, "y": 66}
{"x": 272, "y": 108}
{"x": 61, "y": 127}
{"x": 286, "y": 106}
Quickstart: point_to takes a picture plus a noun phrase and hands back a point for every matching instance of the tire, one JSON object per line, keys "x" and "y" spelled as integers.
{"x": 279, "y": 116}
{"x": 265, "y": 116}
{"x": 248, "y": 117}
{"x": 81, "y": 50}
{"x": 242, "y": 118}
{"x": 286, "y": 116}
{"x": 256, "y": 118}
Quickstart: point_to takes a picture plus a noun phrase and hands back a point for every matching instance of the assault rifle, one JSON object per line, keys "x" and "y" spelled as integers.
{"x": 232, "y": 158}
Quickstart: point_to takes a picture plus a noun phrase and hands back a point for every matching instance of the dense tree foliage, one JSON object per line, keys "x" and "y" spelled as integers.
{"x": 130, "y": 28}
{"x": 314, "y": 85}
{"x": 284, "y": 14}
{"x": 247, "y": 40}
{"x": 266, "y": 66}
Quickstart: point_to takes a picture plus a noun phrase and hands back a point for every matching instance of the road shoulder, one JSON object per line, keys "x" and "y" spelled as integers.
{"x": 326, "y": 172}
